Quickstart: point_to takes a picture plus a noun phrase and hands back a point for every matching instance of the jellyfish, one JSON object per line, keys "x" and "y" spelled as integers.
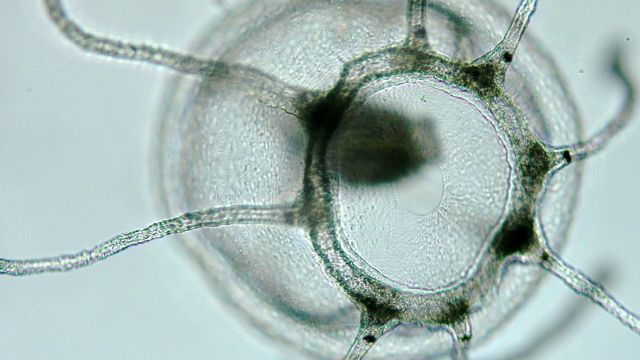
{"x": 363, "y": 184}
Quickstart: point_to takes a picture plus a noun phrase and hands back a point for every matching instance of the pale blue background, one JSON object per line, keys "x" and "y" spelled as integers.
{"x": 74, "y": 135}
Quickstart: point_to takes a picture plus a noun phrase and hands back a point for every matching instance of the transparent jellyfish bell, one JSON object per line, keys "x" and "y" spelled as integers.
{"x": 271, "y": 272}
{"x": 365, "y": 188}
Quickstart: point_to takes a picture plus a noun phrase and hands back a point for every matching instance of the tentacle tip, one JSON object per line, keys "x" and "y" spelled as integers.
{"x": 617, "y": 58}
{"x": 619, "y": 68}
{"x": 617, "y": 61}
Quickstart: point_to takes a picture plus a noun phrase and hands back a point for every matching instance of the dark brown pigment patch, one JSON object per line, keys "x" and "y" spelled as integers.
{"x": 534, "y": 166}
{"x": 379, "y": 312}
{"x": 516, "y": 236}
{"x": 454, "y": 313}
{"x": 480, "y": 77}
{"x": 369, "y": 338}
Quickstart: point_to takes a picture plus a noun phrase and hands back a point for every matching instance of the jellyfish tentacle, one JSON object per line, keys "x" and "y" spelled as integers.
{"x": 416, "y": 23}
{"x": 583, "y": 285}
{"x": 369, "y": 332}
{"x": 461, "y": 334}
{"x": 360, "y": 346}
{"x": 557, "y": 327}
{"x": 208, "y": 218}
{"x": 502, "y": 55}
{"x": 267, "y": 88}
{"x": 118, "y": 49}
{"x": 601, "y": 139}
{"x": 544, "y": 256}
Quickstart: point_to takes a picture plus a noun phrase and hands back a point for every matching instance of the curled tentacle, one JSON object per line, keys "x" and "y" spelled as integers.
{"x": 599, "y": 140}
{"x": 265, "y": 87}
{"x": 118, "y": 49}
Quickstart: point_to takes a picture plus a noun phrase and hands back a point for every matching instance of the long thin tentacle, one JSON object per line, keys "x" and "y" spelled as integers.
{"x": 213, "y": 217}
{"x": 125, "y": 50}
{"x": 599, "y": 140}
{"x": 549, "y": 260}
{"x": 416, "y": 22}
{"x": 265, "y": 87}
{"x": 583, "y": 285}
{"x": 558, "y": 327}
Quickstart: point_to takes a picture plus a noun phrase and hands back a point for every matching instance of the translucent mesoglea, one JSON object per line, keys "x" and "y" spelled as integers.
{"x": 366, "y": 174}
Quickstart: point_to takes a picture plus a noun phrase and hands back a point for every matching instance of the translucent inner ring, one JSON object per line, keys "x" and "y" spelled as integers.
{"x": 425, "y": 227}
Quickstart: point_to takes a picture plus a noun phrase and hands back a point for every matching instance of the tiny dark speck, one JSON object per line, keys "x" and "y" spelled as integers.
{"x": 567, "y": 156}
{"x": 369, "y": 338}
{"x": 507, "y": 57}
{"x": 545, "y": 256}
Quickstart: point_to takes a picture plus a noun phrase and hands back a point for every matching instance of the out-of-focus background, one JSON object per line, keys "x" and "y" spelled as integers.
{"x": 74, "y": 148}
